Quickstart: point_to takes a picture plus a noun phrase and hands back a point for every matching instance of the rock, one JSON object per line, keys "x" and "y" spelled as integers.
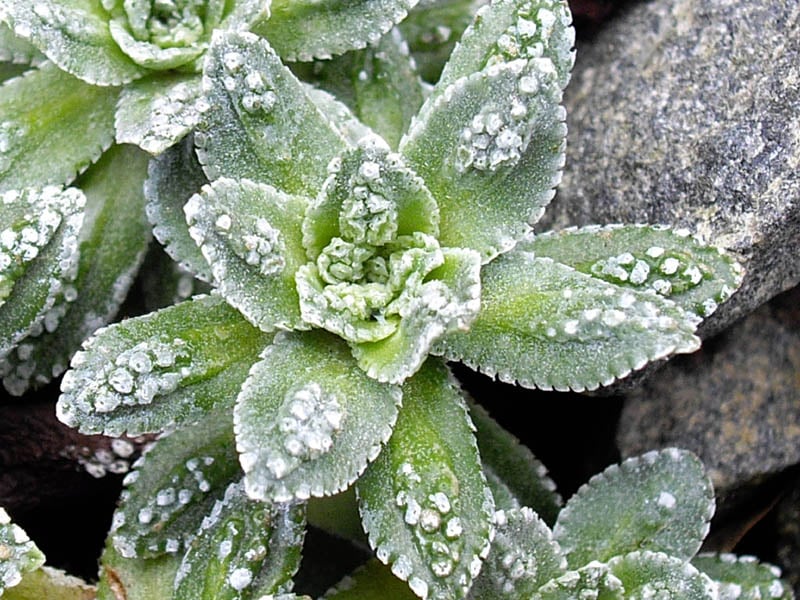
{"x": 734, "y": 403}
{"x": 688, "y": 113}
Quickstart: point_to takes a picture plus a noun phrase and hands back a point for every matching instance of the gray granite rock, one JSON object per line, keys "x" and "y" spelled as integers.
{"x": 734, "y": 403}
{"x": 688, "y": 113}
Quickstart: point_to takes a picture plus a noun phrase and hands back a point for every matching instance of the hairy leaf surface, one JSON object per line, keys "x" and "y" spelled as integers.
{"x": 251, "y": 236}
{"x": 661, "y": 501}
{"x": 258, "y": 122}
{"x": 18, "y": 554}
{"x": 54, "y": 126}
{"x": 15, "y": 50}
{"x": 308, "y": 420}
{"x": 147, "y": 373}
{"x": 592, "y": 581}
{"x": 743, "y": 577}
{"x": 372, "y": 581}
{"x": 646, "y": 574}
{"x": 545, "y": 325}
{"x": 424, "y": 501}
{"x": 113, "y": 240}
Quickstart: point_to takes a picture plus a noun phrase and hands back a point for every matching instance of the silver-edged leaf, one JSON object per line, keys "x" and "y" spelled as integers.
{"x": 54, "y": 126}
{"x": 174, "y": 485}
{"x": 15, "y": 50}
{"x": 308, "y": 420}
{"x": 654, "y": 258}
{"x": 646, "y": 574}
{"x": 523, "y": 558}
{"x": 18, "y": 554}
{"x": 544, "y": 325}
{"x": 371, "y": 581}
{"x": 743, "y": 577}
{"x": 156, "y": 112}
{"x": 173, "y": 178}
{"x": 591, "y": 581}
{"x": 244, "y": 550}
{"x": 661, "y": 501}
{"x": 424, "y": 502}
{"x": 38, "y": 258}
{"x": 257, "y": 121}
{"x": 491, "y": 148}
{"x": 46, "y": 583}
{"x": 250, "y": 234}
{"x": 510, "y": 466}
{"x": 341, "y": 117}
{"x": 74, "y": 34}
{"x": 508, "y": 30}
{"x": 307, "y": 29}
{"x": 113, "y": 240}
{"x": 171, "y": 366}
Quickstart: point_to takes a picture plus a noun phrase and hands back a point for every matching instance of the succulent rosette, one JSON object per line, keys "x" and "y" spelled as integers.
{"x": 347, "y": 243}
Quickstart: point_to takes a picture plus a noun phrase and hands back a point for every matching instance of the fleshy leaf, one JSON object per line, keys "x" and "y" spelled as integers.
{"x": 379, "y": 84}
{"x": 512, "y": 29}
{"x": 18, "y": 554}
{"x": 173, "y": 178}
{"x": 661, "y": 501}
{"x": 244, "y": 549}
{"x": 308, "y": 29}
{"x": 258, "y": 122}
{"x": 523, "y": 558}
{"x": 38, "y": 258}
{"x": 342, "y": 118}
{"x": 308, "y": 420}
{"x": 646, "y": 574}
{"x": 545, "y": 325}
{"x": 592, "y": 581}
{"x": 372, "y": 581}
{"x": 74, "y": 34}
{"x": 113, "y": 239}
{"x": 15, "y": 50}
{"x": 46, "y": 583}
{"x": 251, "y": 236}
{"x": 54, "y": 126}
{"x": 646, "y": 257}
{"x": 156, "y": 112}
{"x": 490, "y": 149}
{"x": 424, "y": 502}
{"x": 743, "y": 577}
{"x": 147, "y": 373}
{"x": 174, "y": 485}
{"x": 135, "y": 579}
{"x": 511, "y": 465}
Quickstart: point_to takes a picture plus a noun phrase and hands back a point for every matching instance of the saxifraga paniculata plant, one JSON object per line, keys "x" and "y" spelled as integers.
{"x": 345, "y": 246}
{"x": 82, "y": 81}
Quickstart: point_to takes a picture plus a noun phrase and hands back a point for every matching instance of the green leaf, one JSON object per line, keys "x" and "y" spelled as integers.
{"x": 251, "y": 236}
{"x": 18, "y": 554}
{"x": 308, "y": 420}
{"x": 258, "y": 122}
{"x": 156, "y": 112}
{"x": 50, "y": 584}
{"x": 424, "y": 501}
{"x": 432, "y": 29}
{"x": 163, "y": 282}
{"x": 743, "y": 577}
{"x": 512, "y": 466}
{"x": 147, "y": 373}
{"x": 173, "y": 178}
{"x": 173, "y": 486}
{"x": 136, "y": 579}
{"x": 379, "y": 84}
{"x": 342, "y": 118}
{"x": 372, "y": 581}
{"x": 592, "y": 581}
{"x": 537, "y": 31}
{"x": 661, "y": 501}
{"x": 544, "y": 325}
{"x": 648, "y": 258}
{"x": 54, "y": 126}
{"x": 113, "y": 240}
{"x": 646, "y": 574}
{"x": 74, "y": 34}
{"x": 15, "y": 50}
{"x": 523, "y": 558}
{"x": 491, "y": 148}
{"x": 244, "y": 549}
{"x": 38, "y": 259}
{"x": 308, "y": 29}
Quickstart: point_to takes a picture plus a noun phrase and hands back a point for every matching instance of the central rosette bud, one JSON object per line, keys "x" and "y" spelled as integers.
{"x": 163, "y": 34}
{"x": 377, "y": 276}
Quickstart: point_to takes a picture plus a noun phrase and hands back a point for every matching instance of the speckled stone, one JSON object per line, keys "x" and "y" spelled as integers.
{"x": 735, "y": 403}
{"x": 688, "y": 113}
